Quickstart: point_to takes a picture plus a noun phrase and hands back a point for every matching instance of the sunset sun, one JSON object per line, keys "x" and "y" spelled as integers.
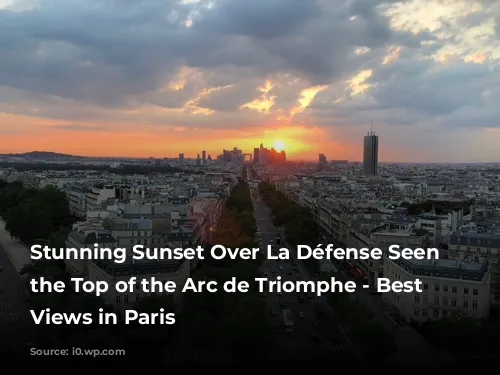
{"x": 279, "y": 146}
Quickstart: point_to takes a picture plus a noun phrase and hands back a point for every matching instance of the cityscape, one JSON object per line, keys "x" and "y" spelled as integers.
{"x": 261, "y": 127}
{"x": 253, "y": 200}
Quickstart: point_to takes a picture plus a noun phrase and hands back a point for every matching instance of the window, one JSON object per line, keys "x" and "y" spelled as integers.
{"x": 488, "y": 251}
{"x": 417, "y": 299}
{"x": 436, "y": 300}
{"x": 436, "y": 287}
{"x": 426, "y": 286}
{"x": 445, "y": 288}
{"x": 454, "y": 289}
{"x": 474, "y": 305}
{"x": 436, "y": 314}
{"x": 445, "y": 301}
{"x": 466, "y": 290}
{"x": 478, "y": 250}
{"x": 468, "y": 248}
{"x": 466, "y": 304}
{"x": 454, "y": 302}
{"x": 424, "y": 312}
{"x": 118, "y": 300}
{"x": 417, "y": 312}
{"x": 125, "y": 298}
{"x": 445, "y": 314}
{"x": 475, "y": 292}
{"x": 426, "y": 298}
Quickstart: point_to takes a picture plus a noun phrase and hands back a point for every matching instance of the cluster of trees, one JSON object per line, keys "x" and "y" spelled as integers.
{"x": 35, "y": 215}
{"x": 42, "y": 216}
{"x": 125, "y": 169}
{"x": 441, "y": 207}
{"x": 233, "y": 323}
{"x": 299, "y": 223}
{"x": 463, "y": 336}
{"x": 368, "y": 335}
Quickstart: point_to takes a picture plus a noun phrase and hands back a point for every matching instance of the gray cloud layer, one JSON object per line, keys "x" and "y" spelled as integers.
{"x": 84, "y": 59}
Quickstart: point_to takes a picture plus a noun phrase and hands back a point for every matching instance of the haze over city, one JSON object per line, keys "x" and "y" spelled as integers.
{"x": 157, "y": 78}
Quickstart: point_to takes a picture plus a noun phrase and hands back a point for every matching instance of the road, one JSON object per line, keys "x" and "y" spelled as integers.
{"x": 15, "y": 320}
{"x": 315, "y": 334}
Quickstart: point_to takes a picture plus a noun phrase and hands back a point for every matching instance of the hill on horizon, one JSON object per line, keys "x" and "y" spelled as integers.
{"x": 42, "y": 155}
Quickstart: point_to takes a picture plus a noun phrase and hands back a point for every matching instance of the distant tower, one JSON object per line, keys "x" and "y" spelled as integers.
{"x": 321, "y": 160}
{"x": 198, "y": 160}
{"x": 370, "y": 153}
{"x": 181, "y": 159}
{"x": 204, "y": 157}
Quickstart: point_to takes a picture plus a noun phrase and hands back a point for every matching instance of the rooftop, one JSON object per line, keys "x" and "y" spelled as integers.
{"x": 446, "y": 268}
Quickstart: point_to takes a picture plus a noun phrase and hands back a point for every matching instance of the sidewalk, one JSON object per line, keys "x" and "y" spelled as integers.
{"x": 18, "y": 253}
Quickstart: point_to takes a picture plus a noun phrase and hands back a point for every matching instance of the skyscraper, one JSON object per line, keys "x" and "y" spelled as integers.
{"x": 321, "y": 160}
{"x": 198, "y": 160}
{"x": 256, "y": 155}
{"x": 370, "y": 154}
{"x": 181, "y": 159}
{"x": 204, "y": 157}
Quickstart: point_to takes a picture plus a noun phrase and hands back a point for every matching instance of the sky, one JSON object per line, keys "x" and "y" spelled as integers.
{"x": 154, "y": 78}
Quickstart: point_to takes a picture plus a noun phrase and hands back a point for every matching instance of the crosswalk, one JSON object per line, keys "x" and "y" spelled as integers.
{"x": 337, "y": 348}
{"x": 8, "y": 318}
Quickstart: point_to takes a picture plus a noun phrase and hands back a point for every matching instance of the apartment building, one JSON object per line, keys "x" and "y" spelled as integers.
{"x": 396, "y": 231}
{"x": 449, "y": 287}
{"x": 77, "y": 200}
{"x": 472, "y": 242}
{"x": 97, "y": 196}
{"x": 161, "y": 270}
{"x": 85, "y": 235}
{"x": 129, "y": 232}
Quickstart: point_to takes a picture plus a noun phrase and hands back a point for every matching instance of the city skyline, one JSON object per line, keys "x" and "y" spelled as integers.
{"x": 201, "y": 75}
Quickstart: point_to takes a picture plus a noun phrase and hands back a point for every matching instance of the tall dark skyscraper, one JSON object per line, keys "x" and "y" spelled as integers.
{"x": 204, "y": 157}
{"x": 256, "y": 155}
{"x": 370, "y": 154}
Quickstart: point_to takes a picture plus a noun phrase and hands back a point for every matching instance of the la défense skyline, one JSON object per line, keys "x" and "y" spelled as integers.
{"x": 160, "y": 77}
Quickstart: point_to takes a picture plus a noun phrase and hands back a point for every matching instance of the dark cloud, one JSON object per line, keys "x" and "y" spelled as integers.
{"x": 89, "y": 59}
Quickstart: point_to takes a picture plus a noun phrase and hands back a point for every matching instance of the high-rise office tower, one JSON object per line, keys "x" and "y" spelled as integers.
{"x": 321, "y": 160}
{"x": 198, "y": 160}
{"x": 204, "y": 157}
{"x": 181, "y": 159}
{"x": 370, "y": 154}
{"x": 256, "y": 155}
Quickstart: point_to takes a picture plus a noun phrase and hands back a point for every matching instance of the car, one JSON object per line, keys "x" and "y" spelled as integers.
{"x": 301, "y": 314}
